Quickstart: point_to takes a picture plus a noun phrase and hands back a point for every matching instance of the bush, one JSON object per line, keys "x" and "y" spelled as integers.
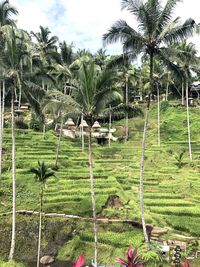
{"x": 36, "y": 124}
{"x": 20, "y": 124}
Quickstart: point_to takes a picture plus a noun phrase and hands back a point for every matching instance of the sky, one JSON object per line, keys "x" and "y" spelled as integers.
{"x": 83, "y": 22}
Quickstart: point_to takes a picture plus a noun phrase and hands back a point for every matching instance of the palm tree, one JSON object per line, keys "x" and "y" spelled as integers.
{"x": 15, "y": 51}
{"x": 156, "y": 30}
{"x": 188, "y": 62}
{"x": 60, "y": 105}
{"x": 42, "y": 173}
{"x": 6, "y": 13}
{"x": 96, "y": 91}
{"x": 45, "y": 49}
{"x": 63, "y": 72}
{"x": 128, "y": 73}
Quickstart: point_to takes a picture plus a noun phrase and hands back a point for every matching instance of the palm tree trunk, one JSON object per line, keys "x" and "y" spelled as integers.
{"x": 110, "y": 121}
{"x": 2, "y": 106}
{"x": 93, "y": 199}
{"x": 44, "y": 130}
{"x": 182, "y": 93}
{"x": 59, "y": 139}
{"x": 40, "y": 226}
{"x": 82, "y": 134}
{"x": 167, "y": 89}
{"x": 188, "y": 120}
{"x": 143, "y": 151}
{"x": 0, "y": 133}
{"x": 126, "y": 123}
{"x": 20, "y": 97}
{"x": 158, "y": 96}
{"x": 65, "y": 87}
{"x": 12, "y": 248}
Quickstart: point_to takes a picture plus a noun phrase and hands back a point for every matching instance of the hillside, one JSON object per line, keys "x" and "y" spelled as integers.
{"x": 171, "y": 193}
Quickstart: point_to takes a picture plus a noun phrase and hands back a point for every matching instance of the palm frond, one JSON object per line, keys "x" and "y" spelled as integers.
{"x": 178, "y": 33}
{"x": 121, "y": 31}
{"x": 166, "y": 14}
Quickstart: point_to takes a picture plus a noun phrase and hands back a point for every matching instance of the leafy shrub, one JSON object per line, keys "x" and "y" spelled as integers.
{"x": 20, "y": 124}
{"x": 35, "y": 123}
{"x": 179, "y": 157}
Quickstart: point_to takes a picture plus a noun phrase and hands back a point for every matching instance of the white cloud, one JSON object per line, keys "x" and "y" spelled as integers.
{"x": 83, "y": 22}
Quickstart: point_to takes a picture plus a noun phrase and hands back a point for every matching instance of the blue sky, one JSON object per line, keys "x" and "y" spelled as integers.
{"x": 83, "y": 22}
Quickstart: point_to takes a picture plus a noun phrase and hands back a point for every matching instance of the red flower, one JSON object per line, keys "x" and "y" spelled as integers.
{"x": 79, "y": 262}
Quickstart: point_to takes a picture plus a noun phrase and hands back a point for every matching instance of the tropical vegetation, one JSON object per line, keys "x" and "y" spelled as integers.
{"x": 44, "y": 84}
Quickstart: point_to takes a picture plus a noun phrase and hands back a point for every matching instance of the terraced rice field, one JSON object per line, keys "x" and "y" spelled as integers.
{"x": 170, "y": 194}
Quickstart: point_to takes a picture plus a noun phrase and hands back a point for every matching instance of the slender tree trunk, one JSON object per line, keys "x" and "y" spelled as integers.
{"x": 109, "y": 128}
{"x": 2, "y": 104}
{"x": 59, "y": 139}
{"x": 1, "y": 139}
{"x": 20, "y": 97}
{"x": 12, "y": 248}
{"x": 15, "y": 90}
{"x": 126, "y": 123}
{"x": 93, "y": 199}
{"x": 158, "y": 96}
{"x": 40, "y": 226}
{"x": 182, "y": 93}
{"x": 82, "y": 134}
{"x": 167, "y": 89}
{"x": 44, "y": 130}
{"x": 143, "y": 151}
{"x": 65, "y": 87}
{"x": 188, "y": 120}
{"x": 140, "y": 92}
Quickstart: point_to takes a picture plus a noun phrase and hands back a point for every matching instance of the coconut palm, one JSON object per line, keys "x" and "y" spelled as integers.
{"x": 45, "y": 50}
{"x": 42, "y": 173}
{"x": 128, "y": 73}
{"x": 188, "y": 61}
{"x": 95, "y": 92}
{"x": 156, "y": 30}
{"x": 15, "y": 53}
{"x": 60, "y": 105}
{"x": 6, "y": 13}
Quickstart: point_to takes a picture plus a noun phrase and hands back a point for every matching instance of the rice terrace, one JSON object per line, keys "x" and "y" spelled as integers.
{"x": 99, "y": 133}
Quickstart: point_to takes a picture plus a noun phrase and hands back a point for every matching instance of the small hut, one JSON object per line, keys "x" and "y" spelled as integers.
{"x": 96, "y": 126}
{"x": 69, "y": 124}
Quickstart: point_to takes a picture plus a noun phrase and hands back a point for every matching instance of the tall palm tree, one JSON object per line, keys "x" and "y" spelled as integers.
{"x": 188, "y": 61}
{"x": 128, "y": 73}
{"x": 96, "y": 91}
{"x": 6, "y": 13}
{"x": 42, "y": 173}
{"x": 15, "y": 51}
{"x": 60, "y": 105}
{"x": 156, "y": 30}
